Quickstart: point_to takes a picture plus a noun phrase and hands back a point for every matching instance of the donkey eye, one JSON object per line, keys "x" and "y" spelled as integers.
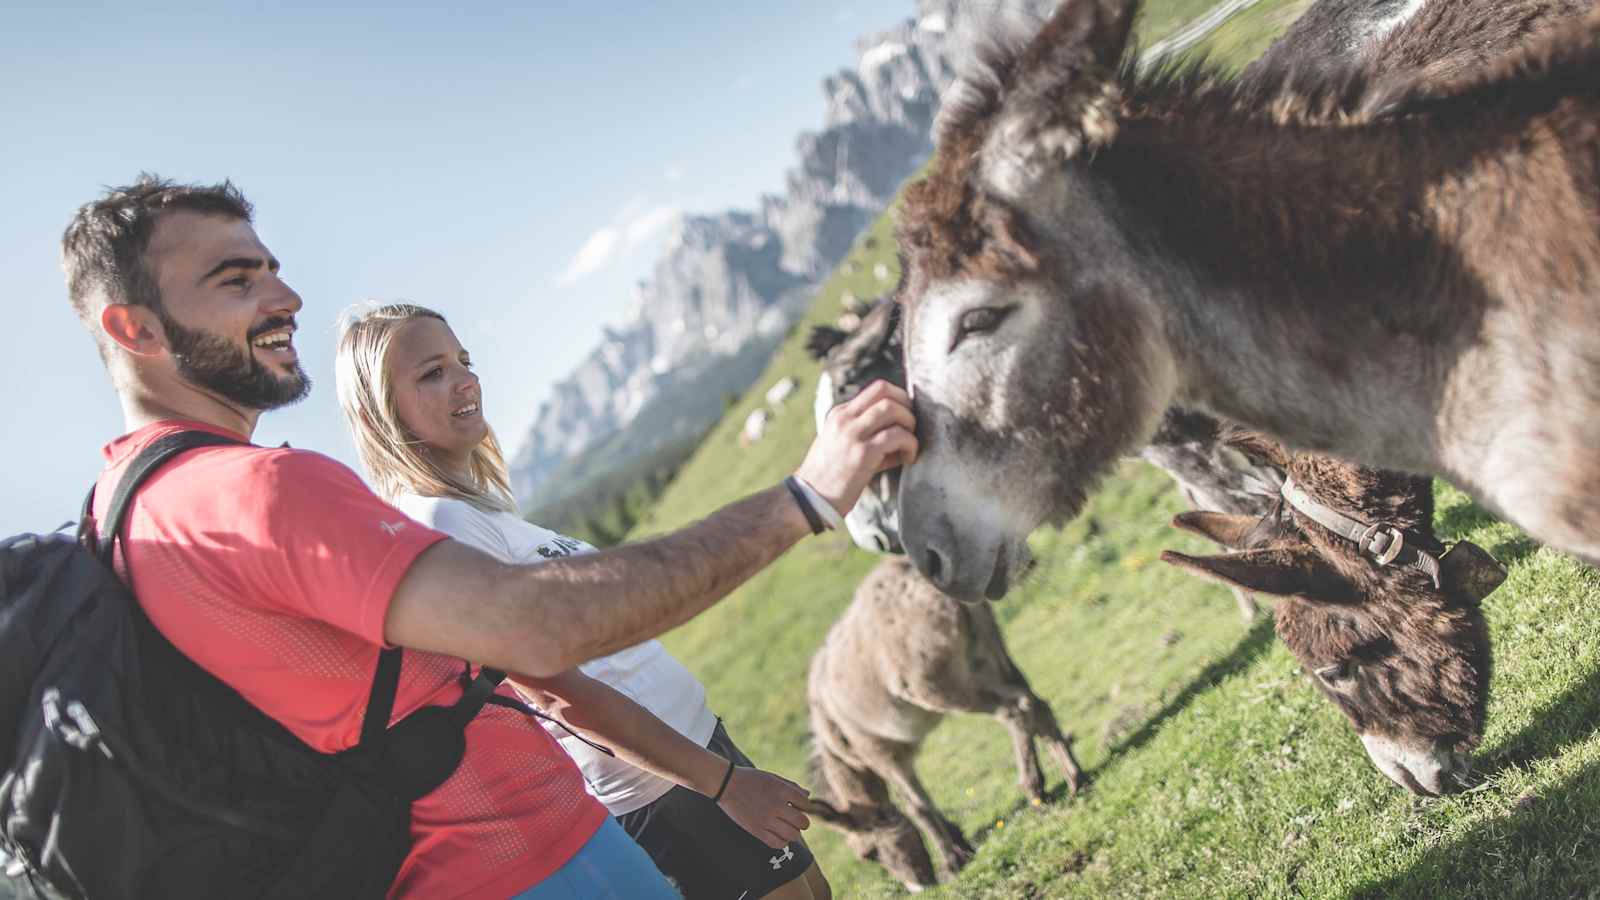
{"x": 981, "y": 320}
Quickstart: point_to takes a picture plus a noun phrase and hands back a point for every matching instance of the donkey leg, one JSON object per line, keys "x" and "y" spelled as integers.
{"x": 954, "y": 850}
{"x": 1028, "y": 716}
{"x": 1060, "y": 744}
{"x": 1018, "y": 722}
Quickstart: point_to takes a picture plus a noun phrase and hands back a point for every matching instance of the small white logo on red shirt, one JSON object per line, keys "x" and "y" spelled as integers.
{"x": 393, "y": 528}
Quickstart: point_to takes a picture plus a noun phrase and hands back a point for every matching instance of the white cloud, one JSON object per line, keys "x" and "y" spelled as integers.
{"x": 648, "y": 225}
{"x": 635, "y": 223}
{"x": 592, "y": 256}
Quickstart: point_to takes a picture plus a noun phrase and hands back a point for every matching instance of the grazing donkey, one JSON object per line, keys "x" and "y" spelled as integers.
{"x": 1398, "y": 271}
{"x": 901, "y": 658}
{"x": 1373, "y": 655}
{"x": 1397, "y": 642}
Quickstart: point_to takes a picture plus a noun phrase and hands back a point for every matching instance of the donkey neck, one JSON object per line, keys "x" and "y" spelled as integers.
{"x": 1308, "y": 285}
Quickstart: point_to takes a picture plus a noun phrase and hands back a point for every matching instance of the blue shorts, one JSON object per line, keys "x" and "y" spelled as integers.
{"x": 609, "y": 867}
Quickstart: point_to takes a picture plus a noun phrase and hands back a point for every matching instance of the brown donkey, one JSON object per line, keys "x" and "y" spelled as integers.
{"x": 1398, "y": 271}
{"x": 901, "y": 658}
{"x": 1417, "y": 724}
{"x": 1396, "y": 639}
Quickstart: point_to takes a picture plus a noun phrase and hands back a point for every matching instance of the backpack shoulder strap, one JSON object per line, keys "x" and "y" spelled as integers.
{"x": 380, "y": 701}
{"x": 140, "y": 469}
{"x": 385, "y": 681}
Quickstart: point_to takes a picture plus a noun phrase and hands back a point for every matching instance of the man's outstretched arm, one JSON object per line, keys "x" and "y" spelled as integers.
{"x": 545, "y": 618}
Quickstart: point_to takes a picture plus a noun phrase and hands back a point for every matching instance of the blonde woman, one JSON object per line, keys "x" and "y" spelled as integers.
{"x": 717, "y": 827}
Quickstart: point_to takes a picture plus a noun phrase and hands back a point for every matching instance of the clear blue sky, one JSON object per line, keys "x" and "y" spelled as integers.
{"x": 509, "y": 164}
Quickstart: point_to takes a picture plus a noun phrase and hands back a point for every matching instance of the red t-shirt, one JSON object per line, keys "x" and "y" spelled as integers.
{"x": 273, "y": 569}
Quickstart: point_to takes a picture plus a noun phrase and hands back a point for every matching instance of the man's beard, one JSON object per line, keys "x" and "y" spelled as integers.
{"x": 214, "y": 363}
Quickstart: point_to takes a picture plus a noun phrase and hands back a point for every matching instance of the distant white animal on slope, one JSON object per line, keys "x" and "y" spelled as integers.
{"x": 782, "y": 390}
{"x": 755, "y": 426}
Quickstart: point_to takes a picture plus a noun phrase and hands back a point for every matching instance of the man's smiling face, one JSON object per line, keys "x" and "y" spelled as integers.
{"x": 228, "y": 317}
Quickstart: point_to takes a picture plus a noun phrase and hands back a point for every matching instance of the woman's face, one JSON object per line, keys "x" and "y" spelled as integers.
{"x": 435, "y": 392}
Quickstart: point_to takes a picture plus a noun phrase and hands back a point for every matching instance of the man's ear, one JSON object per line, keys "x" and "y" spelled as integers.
{"x": 136, "y": 329}
{"x": 1225, "y": 529}
{"x": 1278, "y": 571}
{"x": 1063, "y": 96}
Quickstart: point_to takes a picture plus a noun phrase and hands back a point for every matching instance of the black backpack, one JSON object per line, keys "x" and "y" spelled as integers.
{"x": 127, "y": 771}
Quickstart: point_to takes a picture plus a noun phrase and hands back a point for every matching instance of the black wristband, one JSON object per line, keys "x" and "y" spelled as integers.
{"x": 812, "y": 517}
{"x": 726, "y": 777}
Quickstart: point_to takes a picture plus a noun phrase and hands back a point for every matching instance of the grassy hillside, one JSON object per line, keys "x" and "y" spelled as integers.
{"x": 1218, "y": 769}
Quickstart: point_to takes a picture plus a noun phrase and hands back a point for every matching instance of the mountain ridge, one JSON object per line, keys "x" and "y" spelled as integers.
{"x": 730, "y": 282}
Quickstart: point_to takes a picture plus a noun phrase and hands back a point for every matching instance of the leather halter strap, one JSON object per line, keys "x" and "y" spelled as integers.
{"x": 1384, "y": 543}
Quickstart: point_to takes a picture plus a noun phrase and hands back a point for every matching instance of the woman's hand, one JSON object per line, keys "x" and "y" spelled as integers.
{"x": 766, "y": 805}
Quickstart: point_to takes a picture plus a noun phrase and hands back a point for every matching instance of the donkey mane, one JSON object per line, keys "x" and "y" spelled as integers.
{"x": 1553, "y": 67}
{"x": 1549, "y": 66}
{"x": 1557, "y": 65}
{"x": 1284, "y": 93}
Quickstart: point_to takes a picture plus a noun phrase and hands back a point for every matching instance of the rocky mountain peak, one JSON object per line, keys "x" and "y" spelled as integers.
{"x": 728, "y": 285}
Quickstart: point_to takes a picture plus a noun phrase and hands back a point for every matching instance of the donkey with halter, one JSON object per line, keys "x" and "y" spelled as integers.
{"x": 1397, "y": 270}
{"x": 1394, "y": 636}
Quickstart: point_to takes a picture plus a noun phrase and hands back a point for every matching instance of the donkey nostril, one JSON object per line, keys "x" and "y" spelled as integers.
{"x": 881, "y": 542}
{"x": 934, "y": 566}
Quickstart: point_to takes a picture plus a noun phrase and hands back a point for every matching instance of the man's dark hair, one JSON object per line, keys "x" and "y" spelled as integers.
{"x": 103, "y": 249}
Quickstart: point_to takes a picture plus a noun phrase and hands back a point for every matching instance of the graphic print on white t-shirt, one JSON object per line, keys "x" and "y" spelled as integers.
{"x": 560, "y": 546}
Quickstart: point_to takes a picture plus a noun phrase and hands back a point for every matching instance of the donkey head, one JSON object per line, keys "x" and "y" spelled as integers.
{"x": 1034, "y": 357}
{"x": 850, "y": 362}
{"x": 883, "y": 835}
{"x": 1407, "y": 660}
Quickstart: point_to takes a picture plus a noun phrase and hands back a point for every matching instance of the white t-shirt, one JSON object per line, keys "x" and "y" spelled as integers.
{"x": 645, "y": 672}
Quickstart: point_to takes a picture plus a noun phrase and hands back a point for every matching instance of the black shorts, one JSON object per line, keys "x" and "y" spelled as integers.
{"x": 705, "y": 853}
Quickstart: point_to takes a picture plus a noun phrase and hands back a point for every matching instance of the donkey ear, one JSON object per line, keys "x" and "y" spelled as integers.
{"x": 823, "y": 339}
{"x": 1253, "y": 444}
{"x": 1279, "y": 571}
{"x": 1470, "y": 569}
{"x": 1224, "y": 528}
{"x": 1063, "y": 95}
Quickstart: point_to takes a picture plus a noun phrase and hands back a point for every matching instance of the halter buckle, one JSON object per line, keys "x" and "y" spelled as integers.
{"x": 1394, "y": 542}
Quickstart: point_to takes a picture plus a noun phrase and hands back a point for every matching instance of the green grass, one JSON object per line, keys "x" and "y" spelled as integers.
{"x": 1218, "y": 769}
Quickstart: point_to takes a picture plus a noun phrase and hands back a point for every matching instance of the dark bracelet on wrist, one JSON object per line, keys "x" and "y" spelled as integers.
{"x": 813, "y": 518}
{"x": 726, "y": 777}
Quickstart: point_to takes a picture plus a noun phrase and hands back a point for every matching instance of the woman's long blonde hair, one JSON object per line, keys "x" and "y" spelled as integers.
{"x": 395, "y": 459}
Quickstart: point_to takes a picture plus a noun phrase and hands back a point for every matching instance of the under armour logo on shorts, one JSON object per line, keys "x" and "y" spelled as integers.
{"x": 781, "y": 858}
